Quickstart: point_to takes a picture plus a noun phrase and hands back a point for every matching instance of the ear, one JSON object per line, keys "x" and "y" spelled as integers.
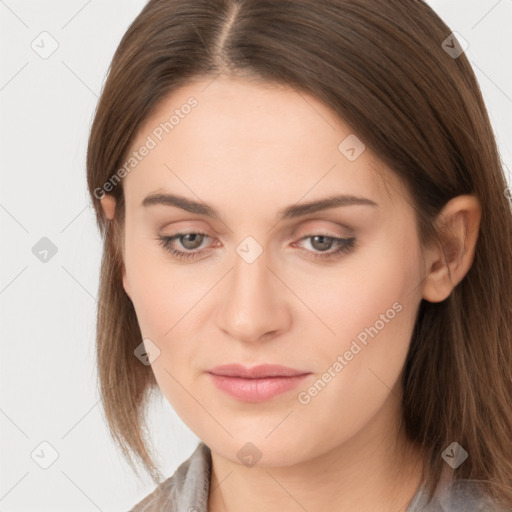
{"x": 108, "y": 204}
{"x": 446, "y": 266}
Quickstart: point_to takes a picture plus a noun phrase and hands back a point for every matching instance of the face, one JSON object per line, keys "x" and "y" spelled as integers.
{"x": 331, "y": 293}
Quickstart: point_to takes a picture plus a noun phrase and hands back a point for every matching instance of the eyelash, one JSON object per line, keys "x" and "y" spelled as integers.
{"x": 346, "y": 246}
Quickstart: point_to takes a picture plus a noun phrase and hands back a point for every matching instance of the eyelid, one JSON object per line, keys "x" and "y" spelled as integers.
{"x": 340, "y": 231}
{"x": 345, "y": 243}
{"x": 298, "y": 231}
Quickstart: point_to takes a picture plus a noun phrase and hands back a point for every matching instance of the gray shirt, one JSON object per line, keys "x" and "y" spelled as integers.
{"x": 188, "y": 488}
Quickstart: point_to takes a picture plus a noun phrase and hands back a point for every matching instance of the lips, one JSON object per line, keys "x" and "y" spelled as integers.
{"x": 257, "y": 383}
{"x": 256, "y": 372}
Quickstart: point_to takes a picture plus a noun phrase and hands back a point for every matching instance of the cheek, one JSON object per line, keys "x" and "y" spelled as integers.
{"x": 143, "y": 273}
{"x": 368, "y": 313}
{"x": 372, "y": 311}
{"x": 162, "y": 292}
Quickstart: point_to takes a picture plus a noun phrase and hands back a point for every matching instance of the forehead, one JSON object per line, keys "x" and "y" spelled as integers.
{"x": 220, "y": 137}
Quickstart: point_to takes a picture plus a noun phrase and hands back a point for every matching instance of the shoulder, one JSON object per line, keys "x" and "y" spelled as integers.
{"x": 458, "y": 496}
{"x": 466, "y": 496}
{"x": 186, "y": 490}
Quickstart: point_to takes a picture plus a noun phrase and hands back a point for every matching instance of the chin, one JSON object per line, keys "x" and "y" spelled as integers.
{"x": 259, "y": 452}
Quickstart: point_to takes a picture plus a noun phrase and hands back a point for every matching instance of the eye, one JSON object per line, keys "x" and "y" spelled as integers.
{"x": 190, "y": 241}
{"x": 321, "y": 243}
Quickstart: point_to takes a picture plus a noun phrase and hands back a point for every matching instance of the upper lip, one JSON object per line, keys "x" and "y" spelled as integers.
{"x": 255, "y": 372}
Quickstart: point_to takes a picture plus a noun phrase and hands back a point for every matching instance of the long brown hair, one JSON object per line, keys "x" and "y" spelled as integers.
{"x": 387, "y": 70}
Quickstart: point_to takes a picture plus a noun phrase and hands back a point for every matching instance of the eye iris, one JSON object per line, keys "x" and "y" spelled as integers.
{"x": 325, "y": 242}
{"x": 194, "y": 243}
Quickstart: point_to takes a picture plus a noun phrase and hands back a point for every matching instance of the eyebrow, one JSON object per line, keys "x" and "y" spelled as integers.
{"x": 296, "y": 210}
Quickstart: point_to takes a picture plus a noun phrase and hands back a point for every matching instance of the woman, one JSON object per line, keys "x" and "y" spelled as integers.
{"x": 307, "y": 248}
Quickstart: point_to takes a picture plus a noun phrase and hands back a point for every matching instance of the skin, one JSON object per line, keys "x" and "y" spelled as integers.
{"x": 251, "y": 149}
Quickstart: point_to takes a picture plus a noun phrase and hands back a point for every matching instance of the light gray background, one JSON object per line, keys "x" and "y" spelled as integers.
{"x": 48, "y": 376}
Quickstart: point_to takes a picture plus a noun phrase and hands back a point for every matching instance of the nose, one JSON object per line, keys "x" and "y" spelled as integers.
{"x": 253, "y": 305}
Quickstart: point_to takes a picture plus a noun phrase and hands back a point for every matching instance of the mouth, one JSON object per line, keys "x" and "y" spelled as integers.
{"x": 258, "y": 383}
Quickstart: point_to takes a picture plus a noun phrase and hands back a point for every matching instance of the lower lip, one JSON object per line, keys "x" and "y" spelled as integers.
{"x": 256, "y": 390}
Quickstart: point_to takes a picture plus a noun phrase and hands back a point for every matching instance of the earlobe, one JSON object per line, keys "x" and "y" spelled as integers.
{"x": 448, "y": 263}
{"x": 108, "y": 204}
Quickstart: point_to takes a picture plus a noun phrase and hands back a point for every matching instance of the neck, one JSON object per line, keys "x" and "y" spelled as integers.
{"x": 365, "y": 473}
